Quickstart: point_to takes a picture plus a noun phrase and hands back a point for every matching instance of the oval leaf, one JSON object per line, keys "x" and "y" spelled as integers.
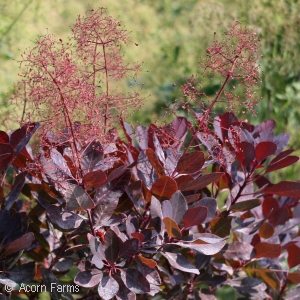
{"x": 135, "y": 281}
{"x": 202, "y": 182}
{"x": 164, "y": 187}
{"x": 264, "y": 149}
{"x": 267, "y": 250}
{"x": 191, "y": 162}
{"x": 93, "y": 178}
{"x": 155, "y": 162}
{"x": 285, "y": 162}
{"x": 284, "y": 188}
{"x": 194, "y": 216}
{"x": 178, "y": 261}
{"x": 88, "y": 279}
{"x": 179, "y": 206}
{"x": 78, "y": 199}
{"x": 108, "y": 287}
{"x": 147, "y": 261}
{"x": 266, "y": 230}
{"x": 245, "y": 205}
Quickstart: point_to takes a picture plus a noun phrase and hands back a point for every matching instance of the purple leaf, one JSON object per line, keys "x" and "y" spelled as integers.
{"x": 20, "y": 137}
{"x": 150, "y": 273}
{"x": 108, "y": 287}
{"x": 135, "y": 281}
{"x": 88, "y": 279}
{"x": 64, "y": 218}
{"x": 210, "y": 204}
{"x": 4, "y": 138}
{"x": 167, "y": 209}
{"x": 114, "y": 188}
{"x": 178, "y": 261}
{"x": 179, "y": 206}
{"x": 281, "y": 141}
{"x": 78, "y": 199}
{"x": 156, "y": 164}
{"x": 129, "y": 248}
{"x": 15, "y": 190}
{"x": 146, "y": 171}
{"x": 112, "y": 246}
{"x": 22, "y": 243}
{"x": 102, "y": 213}
{"x": 238, "y": 251}
{"x": 156, "y": 215}
{"x": 141, "y": 135}
{"x": 91, "y": 156}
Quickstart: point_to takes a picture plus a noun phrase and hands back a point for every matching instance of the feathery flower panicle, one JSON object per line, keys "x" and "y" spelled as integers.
{"x": 73, "y": 87}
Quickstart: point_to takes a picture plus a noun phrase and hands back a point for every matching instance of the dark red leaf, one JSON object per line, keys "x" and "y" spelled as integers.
{"x": 282, "y": 155}
{"x": 190, "y": 162}
{"x": 164, "y": 187}
{"x": 94, "y": 178}
{"x": 194, "y": 216}
{"x": 269, "y": 205}
{"x": 293, "y": 256}
{"x": 267, "y": 250}
{"x": 6, "y": 155}
{"x": 264, "y": 149}
{"x": 4, "y": 138}
{"x": 202, "y": 182}
{"x": 285, "y": 162}
{"x": 20, "y": 137}
{"x": 284, "y": 188}
{"x": 245, "y": 153}
{"x": 22, "y": 243}
{"x": 182, "y": 180}
{"x": 279, "y": 216}
{"x": 139, "y": 236}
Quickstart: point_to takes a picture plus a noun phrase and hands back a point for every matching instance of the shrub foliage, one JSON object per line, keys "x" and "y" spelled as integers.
{"x": 161, "y": 212}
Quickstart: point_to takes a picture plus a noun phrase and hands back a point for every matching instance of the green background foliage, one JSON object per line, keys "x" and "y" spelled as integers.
{"x": 172, "y": 36}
